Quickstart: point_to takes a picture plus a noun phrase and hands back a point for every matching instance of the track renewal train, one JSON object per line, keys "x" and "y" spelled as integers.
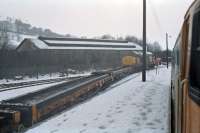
{"x": 185, "y": 81}
{"x": 22, "y": 112}
{"x": 19, "y": 113}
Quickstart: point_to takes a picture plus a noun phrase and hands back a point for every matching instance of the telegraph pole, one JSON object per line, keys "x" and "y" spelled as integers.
{"x": 144, "y": 42}
{"x": 167, "y": 36}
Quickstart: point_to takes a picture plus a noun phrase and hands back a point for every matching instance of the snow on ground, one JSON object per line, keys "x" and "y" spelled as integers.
{"x": 80, "y": 74}
{"x": 44, "y": 77}
{"x": 129, "y": 106}
{"x": 17, "y": 92}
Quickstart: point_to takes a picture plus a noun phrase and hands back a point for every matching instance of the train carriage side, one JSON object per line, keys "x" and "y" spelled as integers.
{"x": 186, "y": 75}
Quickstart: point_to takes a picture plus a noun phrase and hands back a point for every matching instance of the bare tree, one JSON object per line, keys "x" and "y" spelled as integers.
{"x": 3, "y": 35}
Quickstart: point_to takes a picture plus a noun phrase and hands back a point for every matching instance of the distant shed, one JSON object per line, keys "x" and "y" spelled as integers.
{"x": 44, "y": 43}
{"x": 48, "y": 55}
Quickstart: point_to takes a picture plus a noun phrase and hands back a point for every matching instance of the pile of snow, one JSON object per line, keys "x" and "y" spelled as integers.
{"x": 129, "y": 106}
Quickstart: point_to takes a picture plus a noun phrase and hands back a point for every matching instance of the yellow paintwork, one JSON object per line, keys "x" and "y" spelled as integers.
{"x": 16, "y": 117}
{"x": 129, "y": 60}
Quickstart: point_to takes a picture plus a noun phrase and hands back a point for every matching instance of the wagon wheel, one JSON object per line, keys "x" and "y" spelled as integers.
{"x": 21, "y": 128}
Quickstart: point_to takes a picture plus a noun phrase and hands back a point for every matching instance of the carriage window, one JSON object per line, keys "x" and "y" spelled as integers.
{"x": 195, "y": 59}
{"x": 196, "y": 32}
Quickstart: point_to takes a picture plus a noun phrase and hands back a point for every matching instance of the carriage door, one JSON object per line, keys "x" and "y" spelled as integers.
{"x": 184, "y": 83}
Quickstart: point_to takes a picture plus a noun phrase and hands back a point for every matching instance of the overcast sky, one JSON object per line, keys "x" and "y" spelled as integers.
{"x": 97, "y": 17}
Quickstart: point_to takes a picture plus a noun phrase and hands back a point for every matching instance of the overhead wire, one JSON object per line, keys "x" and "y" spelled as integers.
{"x": 155, "y": 15}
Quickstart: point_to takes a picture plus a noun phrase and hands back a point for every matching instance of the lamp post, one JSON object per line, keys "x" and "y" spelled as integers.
{"x": 144, "y": 42}
{"x": 167, "y": 49}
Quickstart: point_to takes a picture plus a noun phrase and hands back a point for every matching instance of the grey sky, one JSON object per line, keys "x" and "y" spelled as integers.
{"x": 97, "y": 17}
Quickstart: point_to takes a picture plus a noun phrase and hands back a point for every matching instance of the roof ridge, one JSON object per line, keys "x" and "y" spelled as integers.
{"x": 80, "y": 39}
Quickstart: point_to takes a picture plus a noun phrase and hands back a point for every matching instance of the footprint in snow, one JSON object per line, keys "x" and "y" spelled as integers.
{"x": 53, "y": 131}
{"x": 85, "y": 124}
{"x": 99, "y": 114}
{"x": 129, "y": 131}
{"x": 138, "y": 106}
{"x": 136, "y": 123}
{"x": 141, "y": 110}
{"x": 73, "y": 112}
{"x": 118, "y": 103}
{"x": 144, "y": 118}
{"x": 153, "y": 128}
{"x": 148, "y": 96}
{"x": 144, "y": 107}
{"x": 119, "y": 112}
{"x": 117, "y": 108}
{"x": 102, "y": 127}
{"x": 95, "y": 119}
{"x": 157, "y": 120}
{"x": 150, "y": 124}
{"x": 81, "y": 131}
{"x": 149, "y": 110}
{"x": 150, "y": 99}
{"x": 143, "y": 114}
{"x": 133, "y": 104}
{"x": 108, "y": 116}
{"x": 59, "y": 124}
{"x": 149, "y": 104}
{"x": 65, "y": 120}
{"x": 111, "y": 121}
{"x": 109, "y": 110}
{"x": 136, "y": 118}
{"x": 124, "y": 104}
{"x": 128, "y": 98}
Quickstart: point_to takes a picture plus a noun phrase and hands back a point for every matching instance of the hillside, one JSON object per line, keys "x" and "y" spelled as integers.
{"x": 13, "y": 31}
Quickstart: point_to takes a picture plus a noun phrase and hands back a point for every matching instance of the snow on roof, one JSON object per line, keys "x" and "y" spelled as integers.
{"x": 81, "y": 39}
{"x": 58, "y": 42}
{"x": 40, "y": 44}
{"x": 93, "y": 48}
{"x": 87, "y": 44}
{"x": 138, "y": 52}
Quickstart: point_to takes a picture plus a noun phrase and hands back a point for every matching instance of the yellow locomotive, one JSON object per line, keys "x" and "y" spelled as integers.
{"x": 130, "y": 60}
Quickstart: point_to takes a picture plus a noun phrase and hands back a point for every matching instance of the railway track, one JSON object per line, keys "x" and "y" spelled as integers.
{"x": 13, "y": 86}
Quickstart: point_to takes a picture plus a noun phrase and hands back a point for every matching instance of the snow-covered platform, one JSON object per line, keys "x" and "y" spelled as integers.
{"x": 129, "y": 106}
